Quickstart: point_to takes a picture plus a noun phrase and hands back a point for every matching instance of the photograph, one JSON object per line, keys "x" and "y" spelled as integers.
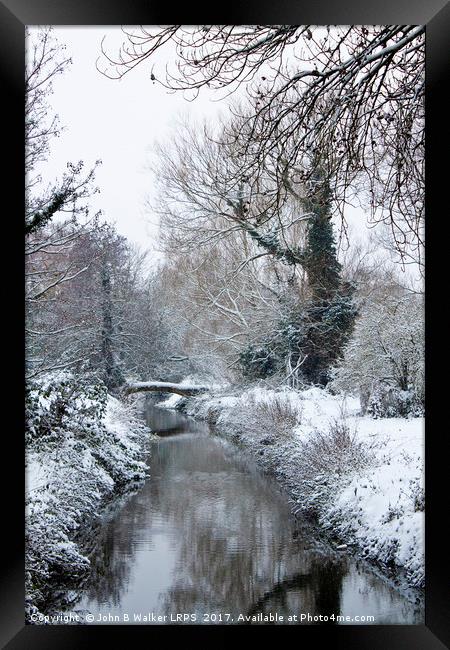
{"x": 224, "y": 325}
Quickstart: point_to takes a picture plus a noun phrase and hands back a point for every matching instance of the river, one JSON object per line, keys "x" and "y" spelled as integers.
{"x": 210, "y": 539}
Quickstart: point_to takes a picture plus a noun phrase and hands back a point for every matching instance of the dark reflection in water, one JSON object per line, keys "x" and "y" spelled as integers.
{"x": 167, "y": 422}
{"x": 208, "y": 533}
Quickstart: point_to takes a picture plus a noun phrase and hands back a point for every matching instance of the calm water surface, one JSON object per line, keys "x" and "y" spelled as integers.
{"x": 208, "y": 533}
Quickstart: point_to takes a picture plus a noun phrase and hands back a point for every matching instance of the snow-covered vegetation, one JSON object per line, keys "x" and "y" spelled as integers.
{"x": 83, "y": 447}
{"x": 360, "y": 478}
{"x": 384, "y": 362}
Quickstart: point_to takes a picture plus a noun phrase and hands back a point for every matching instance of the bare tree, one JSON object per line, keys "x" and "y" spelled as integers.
{"x": 354, "y": 93}
{"x": 203, "y": 197}
{"x": 45, "y": 61}
{"x": 56, "y": 215}
{"x": 241, "y": 228}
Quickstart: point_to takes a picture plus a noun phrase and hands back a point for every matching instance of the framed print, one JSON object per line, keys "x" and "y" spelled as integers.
{"x": 226, "y": 314}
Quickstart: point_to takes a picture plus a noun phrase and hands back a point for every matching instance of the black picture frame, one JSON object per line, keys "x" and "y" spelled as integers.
{"x": 14, "y": 16}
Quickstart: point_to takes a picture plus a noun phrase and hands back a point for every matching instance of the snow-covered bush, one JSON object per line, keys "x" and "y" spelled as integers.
{"x": 60, "y": 402}
{"x": 384, "y": 360}
{"x": 336, "y": 451}
{"x": 390, "y": 401}
{"x": 276, "y": 416}
{"x": 78, "y": 453}
{"x": 267, "y": 415}
{"x": 417, "y": 494}
{"x": 326, "y": 460}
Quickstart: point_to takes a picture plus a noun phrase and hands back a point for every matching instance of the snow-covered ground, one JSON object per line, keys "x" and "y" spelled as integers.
{"x": 171, "y": 402}
{"x": 362, "y": 478}
{"x": 71, "y": 473}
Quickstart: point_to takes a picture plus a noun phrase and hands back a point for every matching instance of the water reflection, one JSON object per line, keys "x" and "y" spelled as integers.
{"x": 169, "y": 422}
{"x": 208, "y": 533}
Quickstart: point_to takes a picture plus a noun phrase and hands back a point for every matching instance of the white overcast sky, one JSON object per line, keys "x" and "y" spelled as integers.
{"x": 118, "y": 122}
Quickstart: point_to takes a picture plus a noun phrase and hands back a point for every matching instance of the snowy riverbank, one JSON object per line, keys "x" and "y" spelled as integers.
{"x": 83, "y": 448}
{"x": 362, "y": 479}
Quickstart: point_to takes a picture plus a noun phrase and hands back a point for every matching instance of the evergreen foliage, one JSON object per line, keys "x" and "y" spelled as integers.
{"x": 312, "y": 334}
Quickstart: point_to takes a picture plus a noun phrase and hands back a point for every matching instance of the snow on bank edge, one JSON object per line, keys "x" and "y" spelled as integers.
{"x": 378, "y": 509}
{"x": 66, "y": 486}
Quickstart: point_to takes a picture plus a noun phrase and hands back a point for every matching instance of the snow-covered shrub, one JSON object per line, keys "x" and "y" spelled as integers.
{"x": 266, "y": 415}
{"x": 326, "y": 461}
{"x": 390, "y": 401}
{"x": 78, "y": 453}
{"x": 60, "y": 402}
{"x": 384, "y": 360}
{"x": 417, "y": 494}
{"x": 276, "y": 416}
{"x": 393, "y": 512}
{"x": 336, "y": 451}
